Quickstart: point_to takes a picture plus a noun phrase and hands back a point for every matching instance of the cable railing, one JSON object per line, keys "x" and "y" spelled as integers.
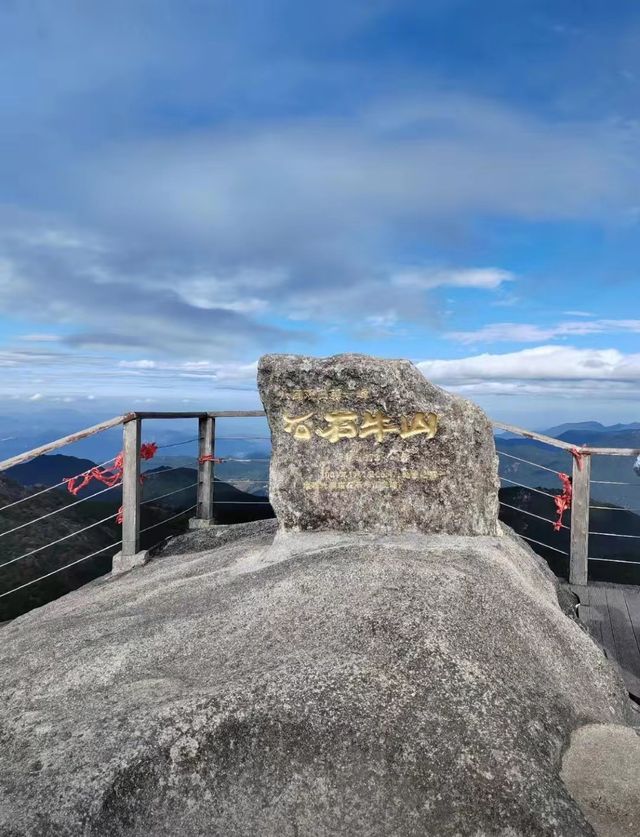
{"x": 532, "y": 514}
{"x": 528, "y": 487}
{"x": 58, "y": 570}
{"x": 145, "y": 511}
{"x": 57, "y": 541}
{"x": 583, "y": 528}
{"x": 521, "y": 529}
{"x": 168, "y": 519}
{"x": 155, "y": 499}
{"x": 528, "y": 462}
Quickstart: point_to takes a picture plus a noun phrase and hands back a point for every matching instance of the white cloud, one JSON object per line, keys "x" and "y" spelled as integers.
{"x": 562, "y": 370}
{"x": 530, "y": 333}
{"x": 165, "y": 309}
{"x": 65, "y": 375}
{"x": 116, "y": 301}
{"x": 305, "y": 218}
{"x": 236, "y": 291}
{"x": 137, "y": 364}
{"x": 39, "y": 338}
{"x": 489, "y": 278}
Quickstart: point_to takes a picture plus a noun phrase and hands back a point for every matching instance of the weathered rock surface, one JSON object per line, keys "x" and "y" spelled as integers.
{"x": 601, "y": 768}
{"x": 363, "y": 444}
{"x": 326, "y": 685}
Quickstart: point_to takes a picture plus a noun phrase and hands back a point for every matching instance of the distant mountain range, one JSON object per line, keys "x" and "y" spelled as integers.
{"x": 235, "y": 437}
{"x": 587, "y": 432}
{"x": 603, "y": 439}
{"x": 589, "y": 427}
{"x": 14, "y": 439}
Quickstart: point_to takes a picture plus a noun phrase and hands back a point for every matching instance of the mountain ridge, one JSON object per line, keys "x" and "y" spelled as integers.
{"x": 590, "y": 426}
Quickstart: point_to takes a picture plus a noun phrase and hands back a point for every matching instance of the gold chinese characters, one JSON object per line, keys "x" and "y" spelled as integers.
{"x": 297, "y": 427}
{"x": 343, "y": 424}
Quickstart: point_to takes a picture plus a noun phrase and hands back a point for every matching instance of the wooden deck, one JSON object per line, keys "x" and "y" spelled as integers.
{"x": 611, "y": 612}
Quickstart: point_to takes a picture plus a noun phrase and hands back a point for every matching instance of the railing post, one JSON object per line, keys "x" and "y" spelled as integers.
{"x": 130, "y": 555}
{"x": 205, "y": 510}
{"x": 581, "y": 492}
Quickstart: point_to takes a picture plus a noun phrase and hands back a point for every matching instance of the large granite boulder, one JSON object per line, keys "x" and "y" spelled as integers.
{"x": 369, "y": 445}
{"x": 325, "y": 684}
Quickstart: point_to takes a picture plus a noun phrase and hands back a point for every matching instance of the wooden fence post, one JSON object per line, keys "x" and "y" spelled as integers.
{"x": 131, "y": 489}
{"x": 206, "y": 447}
{"x": 130, "y": 555}
{"x": 579, "y": 549}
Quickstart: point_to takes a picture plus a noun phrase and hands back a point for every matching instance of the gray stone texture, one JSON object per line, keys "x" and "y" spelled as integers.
{"x": 347, "y": 473}
{"x": 324, "y": 684}
{"x": 124, "y": 563}
{"x": 601, "y": 769}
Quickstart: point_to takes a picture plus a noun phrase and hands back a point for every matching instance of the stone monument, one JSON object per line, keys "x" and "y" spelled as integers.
{"x": 362, "y": 444}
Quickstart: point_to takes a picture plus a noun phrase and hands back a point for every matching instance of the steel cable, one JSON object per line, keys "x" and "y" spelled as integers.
{"x": 59, "y": 540}
{"x": 60, "y": 569}
{"x": 57, "y": 511}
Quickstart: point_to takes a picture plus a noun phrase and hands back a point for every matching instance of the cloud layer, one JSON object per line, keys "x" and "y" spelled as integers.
{"x": 196, "y": 183}
{"x": 530, "y": 333}
{"x": 211, "y": 237}
{"x": 548, "y": 371}
{"x": 545, "y": 370}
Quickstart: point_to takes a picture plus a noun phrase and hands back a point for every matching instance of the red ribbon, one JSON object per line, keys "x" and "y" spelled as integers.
{"x": 563, "y": 501}
{"x": 578, "y": 455}
{"x": 109, "y": 476}
{"x": 209, "y": 457}
{"x": 148, "y": 450}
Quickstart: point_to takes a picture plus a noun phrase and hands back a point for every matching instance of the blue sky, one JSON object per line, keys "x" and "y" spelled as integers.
{"x": 186, "y": 185}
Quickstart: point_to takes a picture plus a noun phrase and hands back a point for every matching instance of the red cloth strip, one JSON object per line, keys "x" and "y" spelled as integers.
{"x": 109, "y": 476}
{"x": 563, "y": 501}
{"x": 209, "y": 457}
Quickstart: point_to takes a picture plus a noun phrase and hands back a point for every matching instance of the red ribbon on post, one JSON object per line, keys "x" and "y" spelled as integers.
{"x": 578, "y": 456}
{"x": 563, "y": 501}
{"x": 110, "y": 476}
{"x": 148, "y": 450}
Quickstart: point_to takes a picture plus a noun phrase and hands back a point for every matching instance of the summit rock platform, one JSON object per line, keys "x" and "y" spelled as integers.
{"x": 334, "y": 685}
